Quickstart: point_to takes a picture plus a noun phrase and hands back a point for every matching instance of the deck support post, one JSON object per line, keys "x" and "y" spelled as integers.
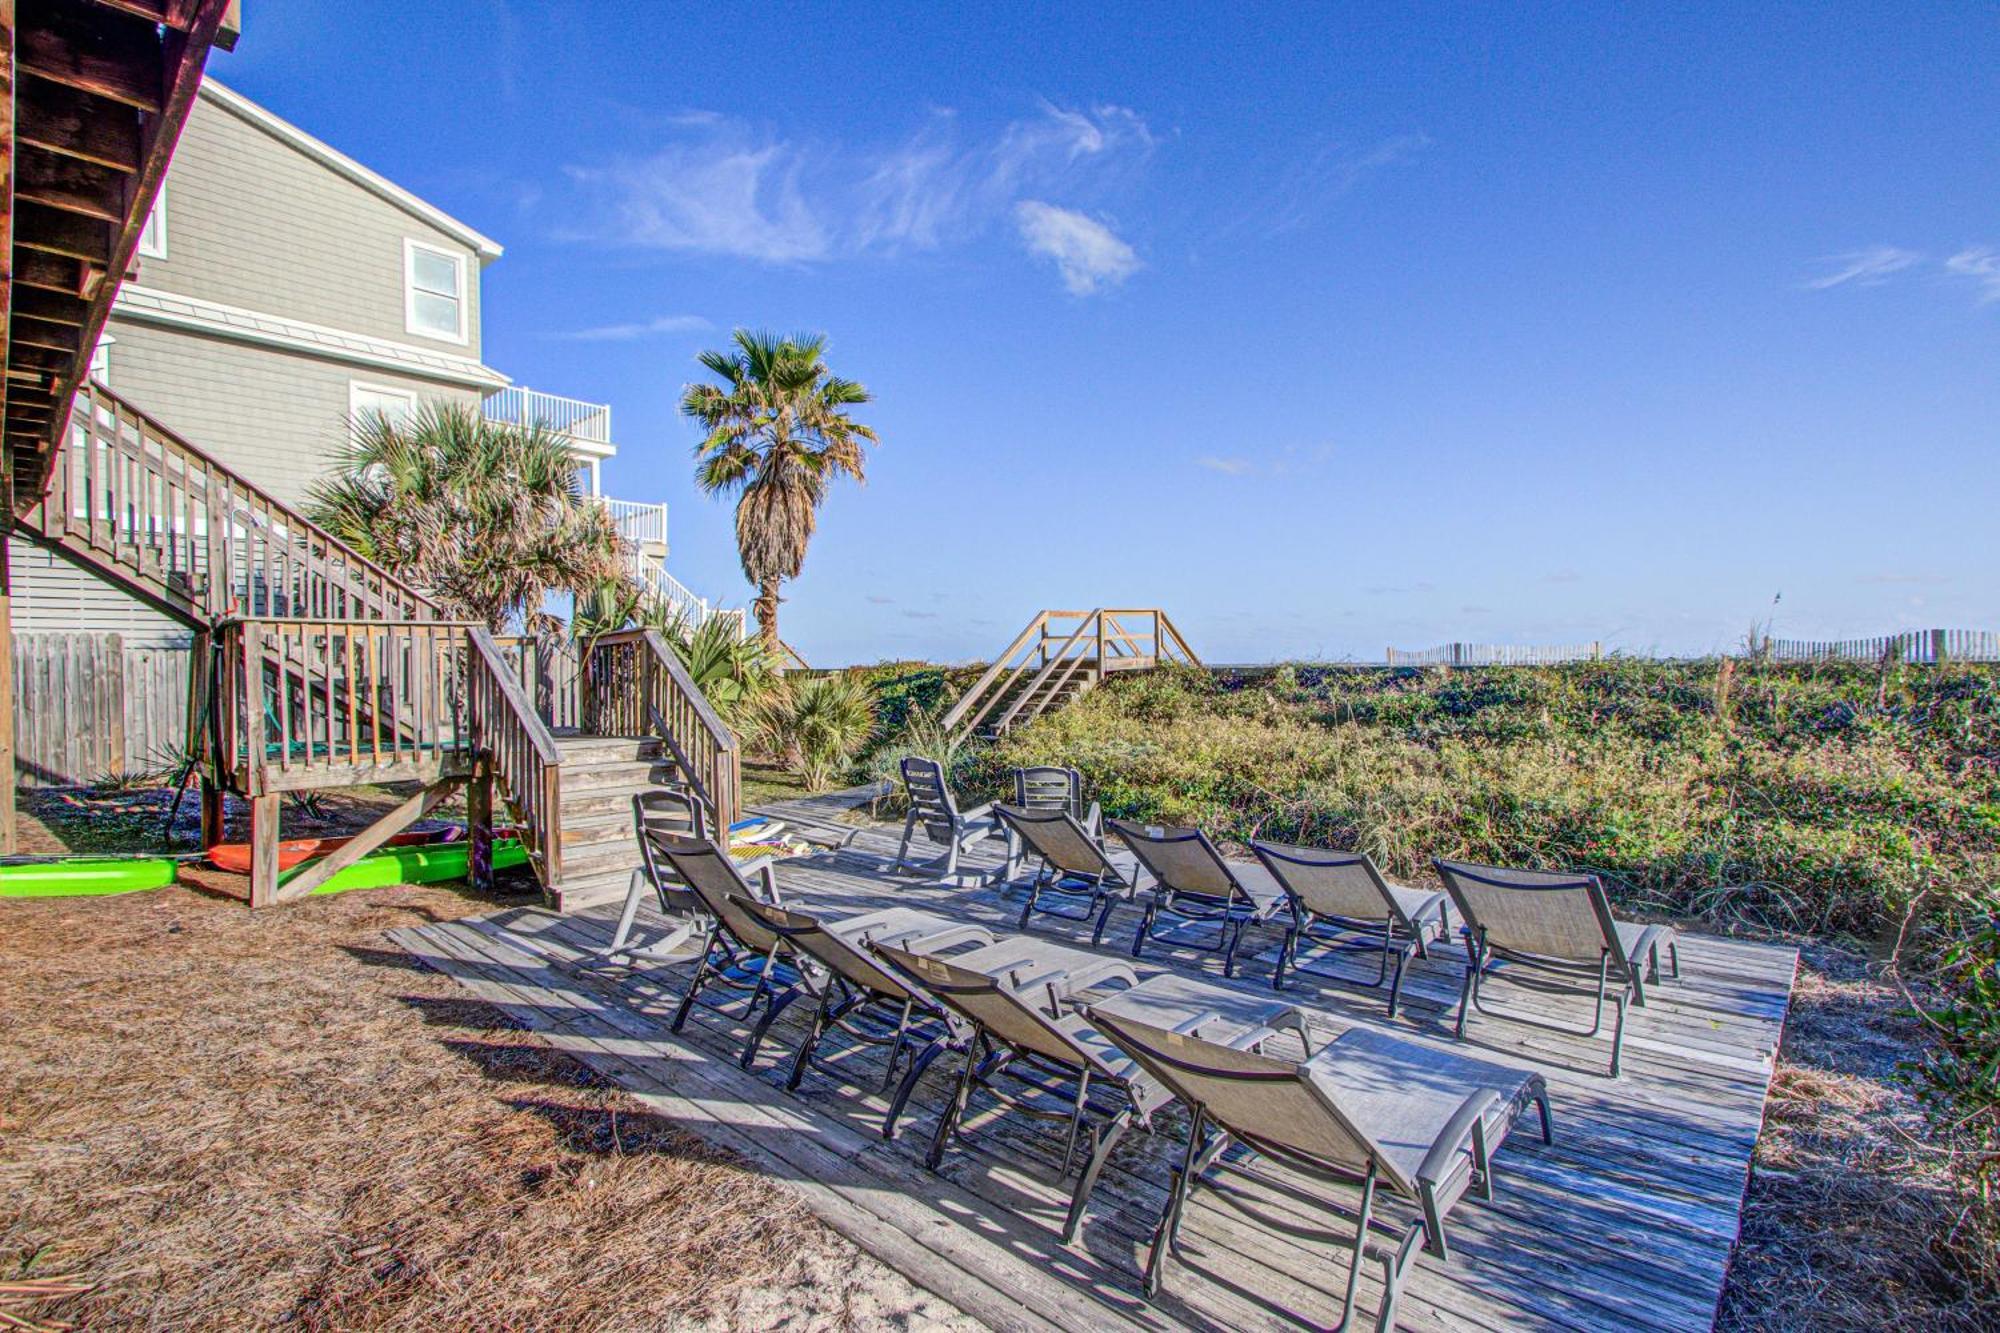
{"x": 479, "y": 825}
{"x": 369, "y": 839}
{"x": 9, "y": 835}
{"x": 264, "y": 849}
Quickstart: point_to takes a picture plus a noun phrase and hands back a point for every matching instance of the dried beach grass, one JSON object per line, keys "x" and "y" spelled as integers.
{"x": 213, "y": 1119}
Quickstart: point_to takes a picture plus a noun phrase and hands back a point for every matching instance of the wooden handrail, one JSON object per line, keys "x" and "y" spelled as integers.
{"x": 957, "y": 712}
{"x": 636, "y": 685}
{"x": 527, "y": 764}
{"x": 1093, "y": 622}
{"x": 133, "y": 495}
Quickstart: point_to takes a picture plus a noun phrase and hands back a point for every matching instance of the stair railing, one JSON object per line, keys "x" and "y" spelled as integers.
{"x": 315, "y": 703}
{"x": 634, "y": 685}
{"x": 1049, "y": 654}
{"x": 503, "y": 722}
{"x": 131, "y": 495}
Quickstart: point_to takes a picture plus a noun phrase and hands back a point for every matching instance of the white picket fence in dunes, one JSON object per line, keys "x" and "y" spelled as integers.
{"x": 1496, "y": 654}
{"x": 1923, "y": 645}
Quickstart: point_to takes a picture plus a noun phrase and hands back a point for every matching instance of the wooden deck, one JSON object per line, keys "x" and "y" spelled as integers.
{"x": 1626, "y": 1222}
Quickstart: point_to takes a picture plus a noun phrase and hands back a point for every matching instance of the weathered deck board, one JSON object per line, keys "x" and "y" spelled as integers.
{"x": 1627, "y": 1221}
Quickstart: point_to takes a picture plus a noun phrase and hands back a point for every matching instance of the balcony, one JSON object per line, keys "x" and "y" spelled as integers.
{"x": 588, "y": 425}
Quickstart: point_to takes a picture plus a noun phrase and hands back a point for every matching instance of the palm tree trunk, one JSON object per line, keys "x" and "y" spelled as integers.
{"x": 766, "y": 607}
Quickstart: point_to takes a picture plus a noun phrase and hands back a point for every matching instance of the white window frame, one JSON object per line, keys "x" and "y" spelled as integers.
{"x": 355, "y": 388}
{"x": 458, "y": 261}
{"x": 100, "y": 360}
{"x": 156, "y": 227}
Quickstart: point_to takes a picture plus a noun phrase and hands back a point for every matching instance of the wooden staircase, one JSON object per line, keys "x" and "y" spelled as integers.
{"x": 1061, "y": 656}
{"x": 320, "y": 669}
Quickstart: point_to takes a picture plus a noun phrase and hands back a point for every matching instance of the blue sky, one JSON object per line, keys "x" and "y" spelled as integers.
{"x": 1327, "y": 329}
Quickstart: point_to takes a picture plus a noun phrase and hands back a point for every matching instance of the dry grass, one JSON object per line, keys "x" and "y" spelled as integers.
{"x": 1853, "y": 1220}
{"x": 216, "y": 1119}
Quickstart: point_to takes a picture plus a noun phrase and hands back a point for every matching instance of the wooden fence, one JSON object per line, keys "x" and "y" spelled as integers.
{"x": 1923, "y": 645}
{"x": 90, "y": 706}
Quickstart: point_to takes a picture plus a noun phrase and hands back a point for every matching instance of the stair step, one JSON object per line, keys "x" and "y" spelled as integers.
{"x": 606, "y": 749}
{"x": 620, "y": 856}
{"x": 626, "y": 775}
{"x": 591, "y": 830}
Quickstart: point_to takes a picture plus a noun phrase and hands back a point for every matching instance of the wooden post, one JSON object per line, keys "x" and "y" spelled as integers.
{"x": 479, "y": 823}
{"x": 264, "y": 849}
{"x": 8, "y": 833}
{"x": 1940, "y": 648}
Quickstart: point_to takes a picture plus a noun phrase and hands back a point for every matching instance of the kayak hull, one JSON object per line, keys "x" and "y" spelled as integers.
{"x": 86, "y": 877}
{"x": 234, "y": 857}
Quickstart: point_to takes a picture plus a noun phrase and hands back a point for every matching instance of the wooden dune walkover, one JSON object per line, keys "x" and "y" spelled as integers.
{"x": 1627, "y": 1221}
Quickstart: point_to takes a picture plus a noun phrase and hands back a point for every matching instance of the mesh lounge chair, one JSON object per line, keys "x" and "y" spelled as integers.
{"x": 1369, "y": 1109}
{"x": 860, "y": 998}
{"x": 1073, "y": 867}
{"x": 741, "y": 953}
{"x": 935, "y": 810}
{"x": 1053, "y": 1060}
{"x": 1049, "y": 788}
{"x": 1194, "y": 883}
{"x": 663, "y": 812}
{"x": 1558, "y": 928}
{"x": 1336, "y": 896}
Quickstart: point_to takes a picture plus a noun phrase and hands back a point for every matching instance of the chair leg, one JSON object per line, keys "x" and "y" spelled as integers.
{"x": 1285, "y": 955}
{"x": 961, "y": 1095}
{"x": 1396, "y": 983}
{"x": 776, "y": 1005}
{"x": 693, "y": 987}
{"x": 1103, "y": 1141}
{"x": 1027, "y": 908}
{"x": 918, "y": 1064}
{"x": 809, "y": 1042}
{"x": 1360, "y": 1245}
{"x": 1472, "y": 965}
{"x": 1145, "y": 928}
{"x": 1103, "y": 920}
{"x": 1618, "y": 1038}
{"x": 1170, "y": 1216}
{"x": 1394, "y": 1268}
{"x": 909, "y": 831}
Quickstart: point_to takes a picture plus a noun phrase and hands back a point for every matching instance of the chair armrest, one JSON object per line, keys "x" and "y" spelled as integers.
{"x": 1197, "y": 1023}
{"x": 977, "y": 812}
{"x": 1093, "y": 820}
{"x": 1250, "y": 1039}
{"x": 1457, "y": 1132}
{"x": 1051, "y": 981}
{"x": 949, "y": 938}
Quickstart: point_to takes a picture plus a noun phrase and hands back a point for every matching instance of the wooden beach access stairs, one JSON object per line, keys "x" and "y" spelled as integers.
{"x": 1060, "y": 656}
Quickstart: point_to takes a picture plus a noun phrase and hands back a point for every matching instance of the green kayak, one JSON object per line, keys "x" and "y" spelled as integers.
{"x": 86, "y": 876}
{"x": 416, "y": 865}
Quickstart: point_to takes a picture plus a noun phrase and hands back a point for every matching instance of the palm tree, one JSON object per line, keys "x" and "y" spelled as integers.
{"x": 487, "y": 517}
{"x": 778, "y": 432}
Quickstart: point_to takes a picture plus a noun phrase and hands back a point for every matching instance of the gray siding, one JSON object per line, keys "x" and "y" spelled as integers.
{"x": 278, "y": 418}
{"x": 54, "y": 596}
{"x": 253, "y": 222}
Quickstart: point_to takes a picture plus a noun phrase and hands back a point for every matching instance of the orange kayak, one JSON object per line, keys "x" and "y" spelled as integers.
{"x": 235, "y": 856}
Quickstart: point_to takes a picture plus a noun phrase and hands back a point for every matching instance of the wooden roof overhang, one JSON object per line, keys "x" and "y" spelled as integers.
{"x": 94, "y": 95}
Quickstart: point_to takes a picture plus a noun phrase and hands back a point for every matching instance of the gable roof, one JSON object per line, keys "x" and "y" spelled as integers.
{"x": 326, "y": 154}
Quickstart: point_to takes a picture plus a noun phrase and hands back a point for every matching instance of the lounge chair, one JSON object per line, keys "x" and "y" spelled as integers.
{"x": 1017, "y": 1030}
{"x": 1557, "y": 927}
{"x": 662, "y": 812}
{"x": 740, "y": 954}
{"x": 1334, "y": 897}
{"x": 1049, "y": 788}
{"x": 1194, "y": 884}
{"x": 1368, "y": 1110}
{"x": 865, "y": 1001}
{"x": 935, "y": 810}
{"x": 1073, "y": 866}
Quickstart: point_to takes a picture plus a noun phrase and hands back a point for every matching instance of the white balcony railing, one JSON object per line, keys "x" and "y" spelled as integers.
{"x": 521, "y": 406}
{"x": 639, "y": 523}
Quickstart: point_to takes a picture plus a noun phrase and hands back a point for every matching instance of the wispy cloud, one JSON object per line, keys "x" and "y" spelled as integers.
{"x": 1980, "y": 264}
{"x": 719, "y": 186}
{"x": 1864, "y": 268}
{"x": 655, "y": 327}
{"x": 1307, "y": 186}
{"x": 1288, "y": 460}
{"x": 879, "y": 600}
{"x": 1086, "y": 252}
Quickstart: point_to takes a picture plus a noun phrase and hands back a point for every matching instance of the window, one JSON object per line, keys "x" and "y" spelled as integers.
{"x": 375, "y": 400}
{"x": 100, "y": 360}
{"x": 153, "y": 239}
{"x": 434, "y": 292}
